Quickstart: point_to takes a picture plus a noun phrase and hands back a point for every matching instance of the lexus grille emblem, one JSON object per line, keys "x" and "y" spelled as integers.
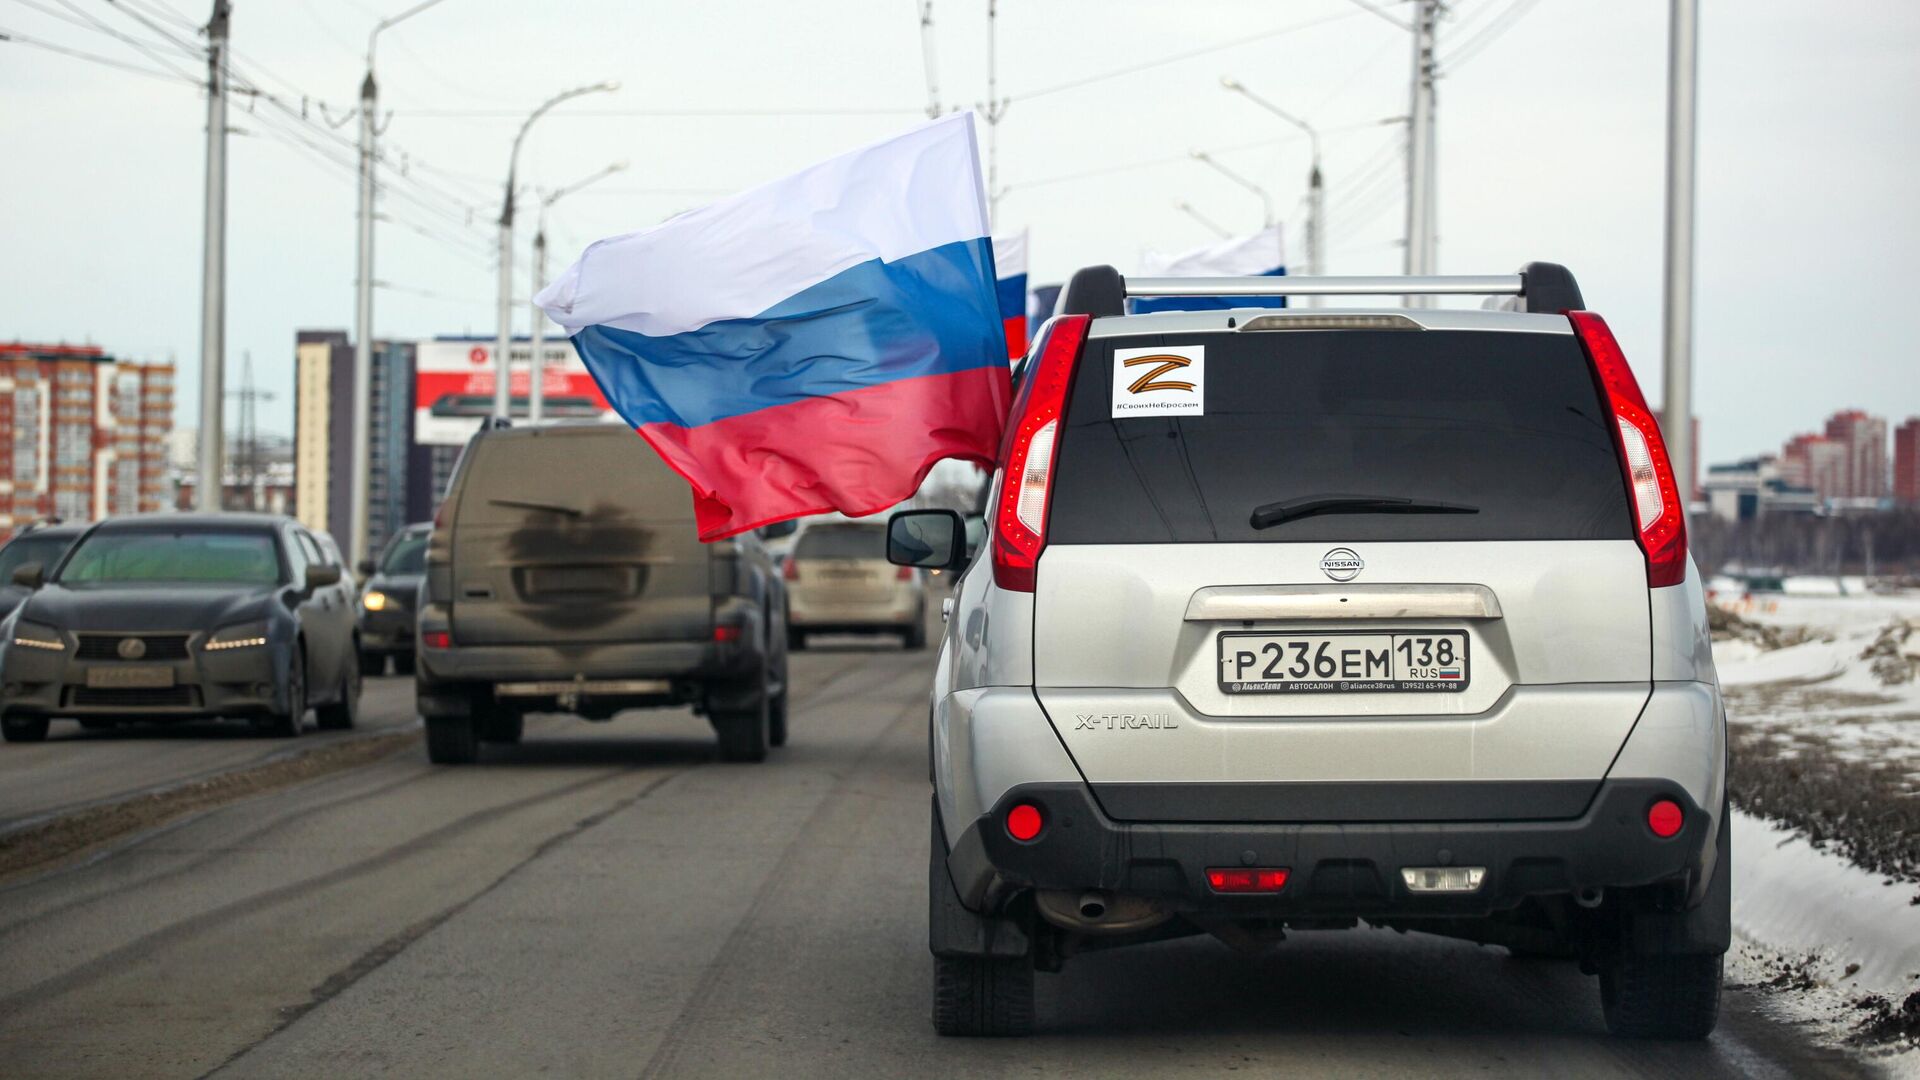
{"x": 131, "y": 648}
{"x": 1342, "y": 564}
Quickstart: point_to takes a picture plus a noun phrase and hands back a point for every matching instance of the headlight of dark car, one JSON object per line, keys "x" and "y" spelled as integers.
{"x": 375, "y": 600}
{"x": 34, "y": 636}
{"x": 244, "y": 636}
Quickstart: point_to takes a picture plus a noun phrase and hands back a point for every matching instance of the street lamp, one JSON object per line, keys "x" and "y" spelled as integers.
{"x": 1186, "y": 208}
{"x": 1266, "y": 200}
{"x": 502, "y": 388}
{"x": 1316, "y": 192}
{"x": 362, "y": 451}
{"x": 536, "y": 378}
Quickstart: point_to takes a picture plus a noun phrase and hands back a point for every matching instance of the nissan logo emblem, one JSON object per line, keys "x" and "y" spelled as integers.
{"x": 131, "y": 648}
{"x": 1342, "y": 564}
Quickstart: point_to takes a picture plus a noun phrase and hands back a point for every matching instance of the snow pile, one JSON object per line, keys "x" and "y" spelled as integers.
{"x": 1894, "y": 656}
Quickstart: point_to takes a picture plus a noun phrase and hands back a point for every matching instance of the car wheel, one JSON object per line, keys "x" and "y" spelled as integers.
{"x": 744, "y": 729}
{"x": 287, "y": 725}
{"x": 982, "y": 995}
{"x": 23, "y": 728}
{"x": 1661, "y": 997}
{"x": 451, "y": 740}
{"x": 500, "y": 725}
{"x": 373, "y": 664}
{"x": 341, "y": 715}
{"x": 403, "y": 663}
{"x": 796, "y": 640}
{"x": 916, "y": 636}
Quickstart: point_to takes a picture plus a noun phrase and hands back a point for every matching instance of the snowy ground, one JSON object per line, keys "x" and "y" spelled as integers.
{"x": 1826, "y": 775}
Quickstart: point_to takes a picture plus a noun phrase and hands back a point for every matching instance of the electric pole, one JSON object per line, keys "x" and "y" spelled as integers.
{"x": 1677, "y": 323}
{"x": 360, "y": 476}
{"x": 1421, "y": 253}
{"x": 927, "y": 58}
{"x": 994, "y": 110}
{"x": 536, "y": 379}
{"x": 213, "y": 284}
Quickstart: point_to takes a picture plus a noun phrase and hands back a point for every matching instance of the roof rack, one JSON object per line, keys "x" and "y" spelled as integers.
{"x": 1539, "y": 286}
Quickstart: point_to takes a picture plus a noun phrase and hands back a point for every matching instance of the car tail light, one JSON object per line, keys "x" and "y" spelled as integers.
{"x": 726, "y": 634}
{"x": 437, "y": 639}
{"x": 1665, "y": 818}
{"x": 1660, "y": 514}
{"x": 1246, "y": 879}
{"x": 1024, "y": 822}
{"x": 905, "y": 573}
{"x": 791, "y": 571}
{"x": 1026, "y": 479}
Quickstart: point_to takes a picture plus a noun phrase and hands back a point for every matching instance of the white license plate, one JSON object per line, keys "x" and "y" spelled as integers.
{"x": 587, "y": 686}
{"x": 1358, "y": 661}
{"x": 130, "y": 678}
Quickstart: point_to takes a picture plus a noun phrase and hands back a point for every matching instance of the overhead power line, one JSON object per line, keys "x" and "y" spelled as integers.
{"x": 521, "y": 114}
{"x": 1474, "y": 45}
{"x": 13, "y": 38}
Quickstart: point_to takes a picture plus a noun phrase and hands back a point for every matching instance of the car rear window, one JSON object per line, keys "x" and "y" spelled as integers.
{"x": 1508, "y": 423}
{"x": 591, "y": 475}
{"x": 407, "y": 556}
{"x": 842, "y": 542}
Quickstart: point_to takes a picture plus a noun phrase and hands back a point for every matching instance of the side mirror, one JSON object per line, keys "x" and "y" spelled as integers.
{"x": 778, "y": 529}
{"x": 929, "y": 539}
{"x": 320, "y": 576}
{"x": 29, "y": 575}
{"x": 366, "y": 567}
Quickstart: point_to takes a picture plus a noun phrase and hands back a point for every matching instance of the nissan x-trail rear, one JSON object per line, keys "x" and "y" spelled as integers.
{"x": 1306, "y": 619}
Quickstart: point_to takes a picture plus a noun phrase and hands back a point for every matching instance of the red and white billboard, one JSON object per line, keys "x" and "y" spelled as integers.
{"x": 453, "y": 388}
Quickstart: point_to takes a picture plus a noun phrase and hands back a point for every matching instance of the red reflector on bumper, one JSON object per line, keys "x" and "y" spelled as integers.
{"x": 725, "y": 634}
{"x": 1024, "y": 822}
{"x": 1665, "y": 818}
{"x": 1247, "y": 879}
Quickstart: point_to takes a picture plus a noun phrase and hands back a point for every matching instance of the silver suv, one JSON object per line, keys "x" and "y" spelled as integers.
{"x": 1300, "y": 619}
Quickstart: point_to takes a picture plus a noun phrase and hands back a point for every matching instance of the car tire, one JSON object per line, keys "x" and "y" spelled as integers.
{"x": 403, "y": 663}
{"x": 24, "y": 728}
{"x": 983, "y": 995}
{"x": 373, "y": 665}
{"x": 451, "y": 740}
{"x": 796, "y": 640}
{"x": 777, "y": 719}
{"x": 1661, "y": 996}
{"x": 743, "y": 730}
{"x": 495, "y": 724}
{"x": 287, "y": 725}
{"x": 340, "y": 715}
{"x": 915, "y": 639}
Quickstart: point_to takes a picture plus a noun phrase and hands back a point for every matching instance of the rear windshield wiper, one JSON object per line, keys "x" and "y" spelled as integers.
{"x": 1279, "y": 513}
{"x": 533, "y": 504}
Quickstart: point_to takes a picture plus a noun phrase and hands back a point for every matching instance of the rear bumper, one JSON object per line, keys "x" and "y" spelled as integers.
{"x": 386, "y": 631}
{"x": 1336, "y": 869}
{"x": 903, "y": 608}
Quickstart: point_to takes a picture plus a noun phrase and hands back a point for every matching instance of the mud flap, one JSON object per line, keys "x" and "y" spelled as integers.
{"x": 1706, "y": 928}
{"x": 952, "y": 930}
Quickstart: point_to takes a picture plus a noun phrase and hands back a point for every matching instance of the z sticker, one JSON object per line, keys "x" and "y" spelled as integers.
{"x": 1160, "y": 382}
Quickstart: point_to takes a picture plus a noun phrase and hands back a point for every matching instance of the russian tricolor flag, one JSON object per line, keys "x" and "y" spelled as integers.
{"x": 1010, "y": 274}
{"x": 814, "y": 344}
{"x": 1261, "y": 254}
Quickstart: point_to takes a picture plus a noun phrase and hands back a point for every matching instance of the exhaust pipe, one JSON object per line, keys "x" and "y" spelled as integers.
{"x": 1589, "y": 897}
{"x": 1097, "y": 911}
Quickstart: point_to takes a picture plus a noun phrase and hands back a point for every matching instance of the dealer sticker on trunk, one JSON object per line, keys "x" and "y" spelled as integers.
{"x": 1170, "y": 381}
{"x": 1433, "y": 661}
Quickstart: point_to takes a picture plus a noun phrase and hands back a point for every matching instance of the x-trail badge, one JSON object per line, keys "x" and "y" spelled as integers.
{"x": 1342, "y": 564}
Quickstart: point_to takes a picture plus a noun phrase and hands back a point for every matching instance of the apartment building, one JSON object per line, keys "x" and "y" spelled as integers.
{"x": 82, "y": 434}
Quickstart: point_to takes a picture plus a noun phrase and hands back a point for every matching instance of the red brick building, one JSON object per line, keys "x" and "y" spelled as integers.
{"x": 1906, "y": 463}
{"x": 82, "y": 435}
{"x": 1864, "y": 442}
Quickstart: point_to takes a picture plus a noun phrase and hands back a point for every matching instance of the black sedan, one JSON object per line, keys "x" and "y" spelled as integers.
{"x": 177, "y": 616}
{"x": 390, "y": 600}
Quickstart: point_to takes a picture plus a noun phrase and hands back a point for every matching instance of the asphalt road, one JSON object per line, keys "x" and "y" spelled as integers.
{"x": 607, "y": 900}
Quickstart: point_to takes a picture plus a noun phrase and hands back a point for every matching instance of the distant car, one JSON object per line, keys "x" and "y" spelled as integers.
{"x": 839, "y": 582}
{"x": 389, "y": 600}
{"x": 178, "y": 616}
{"x": 565, "y": 574}
{"x": 40, "y": 545}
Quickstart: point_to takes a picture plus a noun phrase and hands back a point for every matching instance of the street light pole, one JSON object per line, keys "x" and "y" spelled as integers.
{"x": 213, "y": 285}
{"x": 1316, "y": 189}
{"x": 361, "y": 471}
{"x": 1266, "y": 200}
{"x": 503, "y": 341}
{"x": 1683, "y": 47}
{"x": 537, "y": 368}
{"x": 1421, "y": 253}
{"x": 1186, "y": 208}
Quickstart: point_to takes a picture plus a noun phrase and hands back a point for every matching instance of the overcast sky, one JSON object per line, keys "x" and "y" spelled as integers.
{"x": 1551, "y": 146}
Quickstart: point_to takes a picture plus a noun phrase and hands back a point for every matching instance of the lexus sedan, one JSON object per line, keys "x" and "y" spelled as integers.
{"x": 182, "y": 616}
